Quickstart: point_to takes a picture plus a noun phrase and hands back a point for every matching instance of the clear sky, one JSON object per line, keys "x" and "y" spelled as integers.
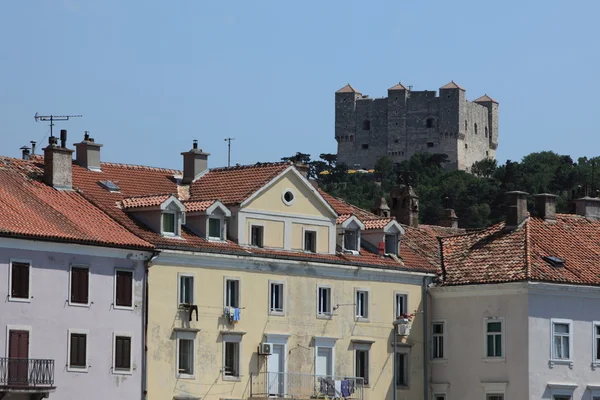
{"x": 150, "y": 76}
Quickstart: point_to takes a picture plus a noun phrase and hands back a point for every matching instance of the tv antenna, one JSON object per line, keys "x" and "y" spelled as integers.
{"x": 53, "y": 118}
{"x": 229, "y": 139}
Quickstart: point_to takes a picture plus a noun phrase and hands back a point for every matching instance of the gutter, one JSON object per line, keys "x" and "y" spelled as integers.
{"x": 147, "y": 265}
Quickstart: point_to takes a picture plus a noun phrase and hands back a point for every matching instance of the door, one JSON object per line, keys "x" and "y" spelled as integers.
{"x": 18, "y": 354}
{"x": 276, "y": 371}
{"x": 324, "y": 364}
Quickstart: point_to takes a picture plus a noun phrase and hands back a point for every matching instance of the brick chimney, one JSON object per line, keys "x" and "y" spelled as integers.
{"x": 58, "y": 163}
{"x": 195, "y": 162}
{"x": 588, "y": 207}
{"x": 545, "y": 206}
{"x": 449, "y": 219}
{"x": 302, "y": 168}
{"x": 517, "y": 208}
{"x": 88, "y": 153}
{"x": 405, "y": 205}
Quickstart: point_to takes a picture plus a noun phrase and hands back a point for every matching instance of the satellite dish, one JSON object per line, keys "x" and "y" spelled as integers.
{"x": 35, "y": 117}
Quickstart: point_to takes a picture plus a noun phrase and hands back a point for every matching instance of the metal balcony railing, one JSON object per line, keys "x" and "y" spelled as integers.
{"x": 306, "y": 386}
{"x": 26, "y": 372}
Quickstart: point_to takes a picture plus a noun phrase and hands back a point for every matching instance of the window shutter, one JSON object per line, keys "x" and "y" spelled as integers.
{"x": 16, "y": 281}
{"x": 20, "y": 280}
{"x": 79, "y": 285}
{"x": 85, "y": 274}
{"x": 74, "y": 347}
{"x": 81, "y": 350}
{"x": 123, "y": 352}
{"x": 124, "y": 293}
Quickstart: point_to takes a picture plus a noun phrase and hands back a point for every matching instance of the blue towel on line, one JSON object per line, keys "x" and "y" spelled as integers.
{"x": 236, "y": 314}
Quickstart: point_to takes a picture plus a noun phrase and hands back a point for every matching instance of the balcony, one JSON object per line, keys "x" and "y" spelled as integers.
{"x": 26, "y": 375}
{"x": 305, "y": 386}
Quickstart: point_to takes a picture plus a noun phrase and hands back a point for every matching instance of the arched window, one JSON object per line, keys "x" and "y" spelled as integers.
{"x": 486, "y": 132}
{"x": 366, "y": 125}
{"x": 430, "y": 122}
{"x": 475, "y": 126}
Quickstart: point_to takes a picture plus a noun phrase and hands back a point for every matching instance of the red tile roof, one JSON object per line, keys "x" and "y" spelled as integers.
{"x": 144, "y": 201}
{"x": 484, "y": 99}
{"x": 348, "y": 89}
{"x": 194, "y": 206}
{"x": 235, "y": 184}
{"x": 399, "y": 86}
{"x": 31, "y": 209}
{"x": 496, "y": 255}
{"x": 451, "y": 85}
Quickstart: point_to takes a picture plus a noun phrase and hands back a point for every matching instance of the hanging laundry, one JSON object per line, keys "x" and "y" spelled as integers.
{"x": 236, "y": 314}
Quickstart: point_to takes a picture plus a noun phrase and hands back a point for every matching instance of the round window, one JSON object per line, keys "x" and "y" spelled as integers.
{"x": 288, "y": 197}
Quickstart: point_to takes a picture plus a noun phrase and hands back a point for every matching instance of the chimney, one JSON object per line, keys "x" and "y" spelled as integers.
{"x": 58, "y": 163}
{"x": 195, "y": 162}
{"x": 449, "y": 219}
{"x": 380, "y": 207}
{"x": 302, "y": 168}
{"x": 405, "y": 205}
{"x": 88, "y": 153}
{"x": 25, "y": 152}
{"x": 517, "y": 208}
{"x": 588, "y": 207}
{"x": 545, "y": 206}
{"x": 33, "y": 143}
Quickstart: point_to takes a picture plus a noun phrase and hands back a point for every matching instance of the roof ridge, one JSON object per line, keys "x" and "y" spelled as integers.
{"x": 136, "y": 166}
{"x": 527, "y": 251}
{"x": 248, "y": 166}
{"x": 140, "y": 196}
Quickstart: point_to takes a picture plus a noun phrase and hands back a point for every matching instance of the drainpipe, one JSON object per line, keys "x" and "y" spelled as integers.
{"x": 425, "y": 294}
{"x": 147, "y": 265}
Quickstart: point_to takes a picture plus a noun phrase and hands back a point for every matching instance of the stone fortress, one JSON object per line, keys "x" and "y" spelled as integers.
{"x": 408, "y": 122}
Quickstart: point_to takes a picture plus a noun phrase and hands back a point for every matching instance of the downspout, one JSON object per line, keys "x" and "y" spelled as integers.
{"x": 147, "y": 265}
{"x": 425, "y": 295}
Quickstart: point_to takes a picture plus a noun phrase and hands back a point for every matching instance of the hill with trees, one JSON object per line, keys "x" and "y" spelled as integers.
{"x": 477, "y": 197}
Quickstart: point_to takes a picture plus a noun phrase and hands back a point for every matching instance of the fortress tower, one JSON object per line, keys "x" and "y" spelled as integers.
{"x": 408, "y": 122}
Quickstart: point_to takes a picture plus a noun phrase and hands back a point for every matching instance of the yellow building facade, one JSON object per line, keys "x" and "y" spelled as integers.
{"x": 291, "y": 298}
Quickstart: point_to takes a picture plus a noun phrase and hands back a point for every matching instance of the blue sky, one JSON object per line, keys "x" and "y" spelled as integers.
{"x": 150, "y": 76}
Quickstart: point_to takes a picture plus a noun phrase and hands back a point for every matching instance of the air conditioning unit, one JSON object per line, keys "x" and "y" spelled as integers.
{"x": 265, "y": 349}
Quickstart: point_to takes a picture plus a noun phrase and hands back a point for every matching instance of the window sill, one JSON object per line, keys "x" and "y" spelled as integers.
{"x": 324, "y": 316}
{"x": 19, "y": 300}
{"x": 216, "y": 239}
{"x": 402, "y": 387}
{"x": 552, "y": 363}
{"x": 494, "y": 359}
{"x": 83, "y": 305}
{"x": 127, "y": 308}
{"x": 185, "y": 376}
{"x": 232, "y": 378}
{"x": 595, "y": 364}
{"x": 77, "y": 369}
{"x": 122, "y": 372}
{"x": 277, "y": 313}
{"x": 361, "y": 319}
{"x": 439, "y": 360}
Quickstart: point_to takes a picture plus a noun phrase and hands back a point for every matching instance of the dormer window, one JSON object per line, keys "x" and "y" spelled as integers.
{"x": 168, "y": 223}
{"x": 214, "y": 228}
{"x": 351, "y": 237}
{"x": 391, "y": 244}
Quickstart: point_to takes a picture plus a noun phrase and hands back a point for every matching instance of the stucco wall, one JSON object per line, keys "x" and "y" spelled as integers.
{"x": 300, "y": 322}
{"x": 49, "y": 316}
{"x": 465, "y": 369}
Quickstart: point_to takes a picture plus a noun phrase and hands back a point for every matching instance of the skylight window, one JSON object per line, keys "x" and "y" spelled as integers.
{"x": 555, "y": 261}
{"x": 110, "y": 186}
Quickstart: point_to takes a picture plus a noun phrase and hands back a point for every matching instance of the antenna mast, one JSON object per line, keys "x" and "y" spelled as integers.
{"x": 229, "y": 139}
{"x": 53, "y": 118}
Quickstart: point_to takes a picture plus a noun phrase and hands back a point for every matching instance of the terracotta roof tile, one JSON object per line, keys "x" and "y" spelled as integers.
{"x": 235, "y": 184}
{"x": 498, "y": 255}
{"x": 399, "y": 86}
{"x": 484, "y": 99}
{"x": 194, "y": 206}
{"x": 452, "y": 85}
{"x": 144, "y": 201}
{"x": 378, "y": 223}
{"x": 31, "y": 209}
{"x": 348, "y": 89}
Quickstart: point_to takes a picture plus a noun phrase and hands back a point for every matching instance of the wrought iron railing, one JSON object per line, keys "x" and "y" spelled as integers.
{"x": 26, "y": 372}
{"x": 306, "y": 386}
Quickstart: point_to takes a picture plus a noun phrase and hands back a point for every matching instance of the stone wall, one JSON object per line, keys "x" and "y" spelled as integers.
{"x": 407, "y": 122}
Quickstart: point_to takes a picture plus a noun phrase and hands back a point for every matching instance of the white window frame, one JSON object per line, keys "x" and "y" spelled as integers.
{"x": 181, "y": 275}
{"x": 233, "y": 338}
{"x": 176, "y": 224}
{"x": 258, "y": 225}
{"x": 221, "y": 219}
{"x": 304, "y": 231}
{"x": 328, "y": 314}
{"x": 502, "y": 321}
{"x": 363, "y": 347}
{"x": 406, "y": 351}
{"x": 87, "y": 266}
{"x": 114, "y": 353}
{"x": 395, "y": 235}
{"x": 569, "y": 360}
{"x": 181, "y": 335}
{"x": 239, "y": 294}
{"x": 85, "y": 332}
{"x": 397, "y": 312}
{"x": 367, "y": 295}
{"x": 283, "y": 298}
{"x": 325, "y": 342}
{"x": 10, "y": 265}
{"x": 115, "y": 306}
{"x": 444, "y": 339}
{"x": 595, "y": 338}
{"x": 357, "y": 242}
